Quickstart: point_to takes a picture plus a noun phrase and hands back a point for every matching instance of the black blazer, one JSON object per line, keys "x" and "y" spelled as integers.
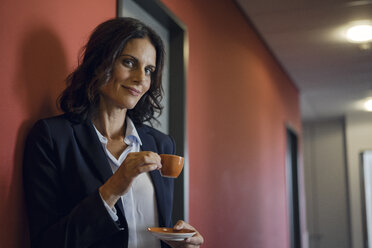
{"x": 64, "y": 165}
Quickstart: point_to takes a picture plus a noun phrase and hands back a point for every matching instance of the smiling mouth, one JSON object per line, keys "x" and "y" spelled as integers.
{"x": 132, "y": 91}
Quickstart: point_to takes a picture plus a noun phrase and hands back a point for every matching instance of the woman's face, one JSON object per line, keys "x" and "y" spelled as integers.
{"x": 131, "y": 77}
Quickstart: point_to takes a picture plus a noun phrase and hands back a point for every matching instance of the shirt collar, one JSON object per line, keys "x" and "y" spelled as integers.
{"x": 131, "y": 134}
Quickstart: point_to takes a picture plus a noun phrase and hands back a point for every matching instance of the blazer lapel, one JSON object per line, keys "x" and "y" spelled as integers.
{"x": 148, "y": 144}
{"x": 91, "y": 146}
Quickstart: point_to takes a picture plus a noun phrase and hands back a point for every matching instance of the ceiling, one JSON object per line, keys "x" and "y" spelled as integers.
{"x": 307, "y": 38}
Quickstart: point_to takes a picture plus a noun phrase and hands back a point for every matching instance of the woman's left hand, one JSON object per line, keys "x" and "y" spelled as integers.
{"x": 193, "y": 242}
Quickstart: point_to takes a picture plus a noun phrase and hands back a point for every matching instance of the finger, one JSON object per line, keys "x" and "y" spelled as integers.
{"x": 146, "y": 157}
{"x": 147, "y": 168}
{"x": 151, "y": 157}
{"x": 195, "y": 240}
{"x": 179, "y": 225}
{"x": 137, "y": 159}
{"x": 183, "y": 225}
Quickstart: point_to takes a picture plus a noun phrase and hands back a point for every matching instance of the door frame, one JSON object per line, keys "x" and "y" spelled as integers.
{"x": 178, "y": 59}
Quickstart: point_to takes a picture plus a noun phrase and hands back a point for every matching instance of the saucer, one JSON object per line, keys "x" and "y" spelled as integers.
{"x": 165, "y": 233}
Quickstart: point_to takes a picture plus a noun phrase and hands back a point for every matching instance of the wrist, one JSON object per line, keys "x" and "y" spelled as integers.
{"x": 107, "y": 196}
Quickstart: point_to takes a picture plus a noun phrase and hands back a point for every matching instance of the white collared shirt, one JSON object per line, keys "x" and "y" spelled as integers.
{"x": 139, "y": 202}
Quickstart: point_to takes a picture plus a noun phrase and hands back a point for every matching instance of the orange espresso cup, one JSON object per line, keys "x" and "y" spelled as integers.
{"x": 171, "y": 165}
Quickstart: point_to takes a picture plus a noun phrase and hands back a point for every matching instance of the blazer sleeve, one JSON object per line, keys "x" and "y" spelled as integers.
{"x": 53, "y": 223}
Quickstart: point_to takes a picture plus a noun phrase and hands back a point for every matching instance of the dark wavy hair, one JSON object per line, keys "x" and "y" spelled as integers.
{"x": 82, "y": 94}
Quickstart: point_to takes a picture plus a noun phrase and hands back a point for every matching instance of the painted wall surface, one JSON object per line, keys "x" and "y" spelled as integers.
{"x": 326, "y": 200}
{"x": 359, "y": 139}
{"x": 238, "y": 103}
{"x": 324, "y": 152}
{"x": 40, "y": 40}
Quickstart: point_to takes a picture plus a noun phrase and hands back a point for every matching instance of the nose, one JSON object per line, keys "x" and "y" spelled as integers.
{"x": 139, "y": 75}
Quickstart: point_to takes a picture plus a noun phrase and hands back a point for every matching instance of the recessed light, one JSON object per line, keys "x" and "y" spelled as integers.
{"x": 360, "y": 33}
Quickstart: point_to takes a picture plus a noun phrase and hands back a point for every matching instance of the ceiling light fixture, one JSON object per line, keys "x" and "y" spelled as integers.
{"x": 368, "y": 105}
{"x": 360, "y": 33}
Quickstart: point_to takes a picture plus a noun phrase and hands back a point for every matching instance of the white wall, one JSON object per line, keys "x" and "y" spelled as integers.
{"x": 359, "y": 138}
{"x": 326, "y": 184}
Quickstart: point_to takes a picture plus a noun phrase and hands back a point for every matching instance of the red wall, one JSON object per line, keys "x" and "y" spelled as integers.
{"x": 39, "y": 43}
{"x": 238, "y": 102}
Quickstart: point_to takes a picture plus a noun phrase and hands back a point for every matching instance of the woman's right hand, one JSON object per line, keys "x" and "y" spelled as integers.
{"x": 134, "y": 164}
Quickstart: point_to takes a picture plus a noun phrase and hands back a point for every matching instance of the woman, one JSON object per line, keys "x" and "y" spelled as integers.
{"x": 91, "y": 175}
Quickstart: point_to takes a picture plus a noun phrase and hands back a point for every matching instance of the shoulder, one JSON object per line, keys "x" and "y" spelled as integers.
{"x": 149, "y": 136}
{"x": 143, "y": 128}
{"x": 51, "y": 123}
{"x": 61, "y": 120}
{"x": 43, "y": 133}
{"x": 56, "y": 126}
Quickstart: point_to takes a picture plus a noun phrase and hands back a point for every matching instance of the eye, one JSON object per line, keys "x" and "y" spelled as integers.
{"x": 149, "y": 70}
{"x": 128, "y": 63}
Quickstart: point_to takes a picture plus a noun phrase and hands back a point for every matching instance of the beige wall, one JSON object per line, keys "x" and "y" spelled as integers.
{"x": 326, "y": 184}
{"x": 359, "y": 138}
{"x": 332, "y": 152}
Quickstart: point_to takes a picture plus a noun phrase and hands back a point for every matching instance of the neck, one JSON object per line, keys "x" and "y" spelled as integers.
{"x": 110, "y": 121}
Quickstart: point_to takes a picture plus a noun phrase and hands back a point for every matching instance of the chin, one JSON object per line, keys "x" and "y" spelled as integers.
{"x": 130, "y": 105}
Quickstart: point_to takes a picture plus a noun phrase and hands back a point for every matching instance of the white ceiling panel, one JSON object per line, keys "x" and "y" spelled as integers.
{"x": 308, "y": 38}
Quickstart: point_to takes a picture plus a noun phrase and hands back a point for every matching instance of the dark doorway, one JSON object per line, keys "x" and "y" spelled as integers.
{"x": 293, "y": 188}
